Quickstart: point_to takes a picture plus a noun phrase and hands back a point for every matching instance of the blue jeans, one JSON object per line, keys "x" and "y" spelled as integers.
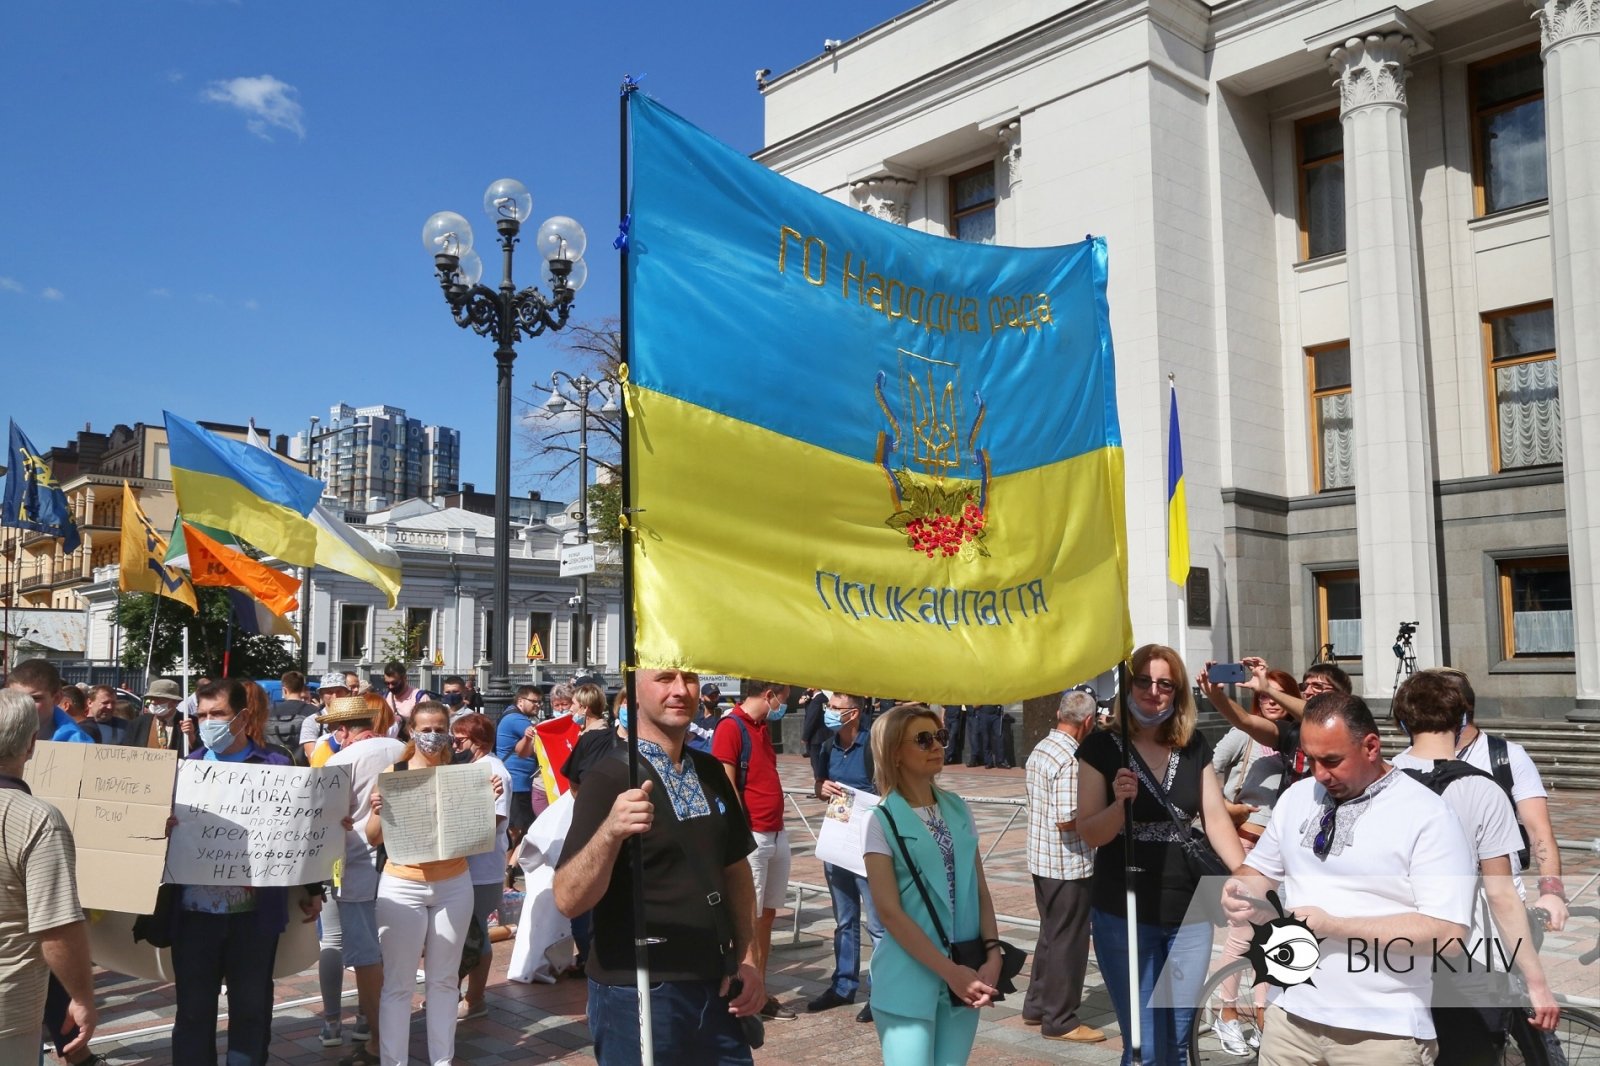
{"x": 690, "y": 1024}
{"x": 208, "y": 950}
{"x": 852, "y": 901}
{"x": 1165, "y": 1031}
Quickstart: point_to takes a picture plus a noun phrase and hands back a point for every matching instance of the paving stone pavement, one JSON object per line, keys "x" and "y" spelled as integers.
{"x": 545, "y": 1023}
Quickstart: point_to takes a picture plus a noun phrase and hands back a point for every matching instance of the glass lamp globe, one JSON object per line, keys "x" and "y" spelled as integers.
{"x": 469, "y": 270}
{"x": 447, "y": 233}
{"x": 508, "y": 198}
{"x": 561, "y": 237}
{"x": 575, "y": 278}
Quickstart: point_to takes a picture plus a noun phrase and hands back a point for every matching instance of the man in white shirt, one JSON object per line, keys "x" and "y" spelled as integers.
{"x": 1376, "y": 866}
{"x": 1469, "y": 1003}
{"x": 367, "y": 755}
{"x": 333, "y": 687}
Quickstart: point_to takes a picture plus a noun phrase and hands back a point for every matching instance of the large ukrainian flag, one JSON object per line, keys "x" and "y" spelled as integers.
{"x": 864, "y": 458}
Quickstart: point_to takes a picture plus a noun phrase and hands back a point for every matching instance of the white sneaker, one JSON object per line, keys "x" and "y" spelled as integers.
{"x": 332, "y": 1033}
{"x": 1230, "y": 1037}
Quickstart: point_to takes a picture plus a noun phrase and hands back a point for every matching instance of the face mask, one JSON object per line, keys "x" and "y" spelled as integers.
{"x": 431, "y": 744}
{"x": 217, "y": 736}
{"x": 451, "y": 699}
{"x": 622, "y": 716}
{"x": 832, "y": 718}
{"x": 778, "y": 712}
{"x": 1147, "y": 721}
{"x": 461, "y": 757}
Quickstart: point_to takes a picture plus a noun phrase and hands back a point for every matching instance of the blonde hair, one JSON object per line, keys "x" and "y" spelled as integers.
{"x": 589, "y": 699}
{"x": 1177, "y": 730}
{"x": 888, "y": 732}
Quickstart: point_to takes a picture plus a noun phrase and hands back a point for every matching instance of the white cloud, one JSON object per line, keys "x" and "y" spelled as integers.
{"x": 161, "y": 293}
{"x": 173, "y": 76}
{"x": 53, "y": 294}
{"x": 252, "y": 305}
{"x": 10, "y": 285}
{"x": 207, "y": 298}
{"x": 268, "y": 101}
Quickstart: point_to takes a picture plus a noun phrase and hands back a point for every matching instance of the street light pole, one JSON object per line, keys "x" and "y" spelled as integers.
{"x": 558, "y": 404}
{"x": 505, "y": 316}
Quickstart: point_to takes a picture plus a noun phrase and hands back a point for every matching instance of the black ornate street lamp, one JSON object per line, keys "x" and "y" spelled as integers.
{"x": 505, "y": 315}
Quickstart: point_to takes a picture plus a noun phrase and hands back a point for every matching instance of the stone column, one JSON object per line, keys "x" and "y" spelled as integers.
{"x": 884, "y": 196}
{"x": 1396, "y": 548}
{"x": 1570, "y": 30}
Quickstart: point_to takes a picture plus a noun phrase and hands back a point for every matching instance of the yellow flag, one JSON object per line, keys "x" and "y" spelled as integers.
{"x": 142, "y": 551}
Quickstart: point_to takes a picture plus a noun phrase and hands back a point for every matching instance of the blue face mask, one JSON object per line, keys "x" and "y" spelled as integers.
{"x": 622, "y": 716}
{"x": 832, "y": 718}
{"x": 778, "y": 712}
{"x": 216, "y": 736}
{"x": 451, "y": 699}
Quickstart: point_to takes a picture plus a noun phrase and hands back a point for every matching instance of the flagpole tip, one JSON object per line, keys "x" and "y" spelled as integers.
{"x": 1170, "y": 376}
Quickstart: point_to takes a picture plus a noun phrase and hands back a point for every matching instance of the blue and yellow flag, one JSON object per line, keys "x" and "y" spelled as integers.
{"x": 33, "y": 500}
{"x": 1177, "y": 503}
{"x": 896, "y": 455}
{"x": 244, "y": 490}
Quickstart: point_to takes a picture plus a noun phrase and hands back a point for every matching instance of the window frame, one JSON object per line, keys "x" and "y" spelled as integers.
{"x": 1314, "y": 414}
{"x": 366, "y": 629}
{"x": 1486, "y": 321}
{"x": 1319, "y": 585}
{"x": 1477, "y": 114}
{"x": 1301, "y": 168}
{"x": 991, "y": 204}
{"x": 419, "y": 648}
{"x": 1508, "y": 636}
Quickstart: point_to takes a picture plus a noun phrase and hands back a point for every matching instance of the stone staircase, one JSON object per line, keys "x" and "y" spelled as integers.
{"x": 1566, "y": 753}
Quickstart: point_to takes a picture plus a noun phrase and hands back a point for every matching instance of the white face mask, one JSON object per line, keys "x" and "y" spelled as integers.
{"x": 1147, "y": 721}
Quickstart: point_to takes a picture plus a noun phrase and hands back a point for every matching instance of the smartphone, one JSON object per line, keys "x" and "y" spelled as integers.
{"x": 1227, "y": 673}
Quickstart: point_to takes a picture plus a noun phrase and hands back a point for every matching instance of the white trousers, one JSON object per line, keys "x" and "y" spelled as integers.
{"x": 417, "y": 918}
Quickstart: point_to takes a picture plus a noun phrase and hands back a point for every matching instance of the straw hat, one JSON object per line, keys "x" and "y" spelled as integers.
{"x": 346, "y": 709}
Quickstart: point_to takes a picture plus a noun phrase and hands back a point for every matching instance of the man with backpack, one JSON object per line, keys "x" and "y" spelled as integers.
{"x": 288, "y": 717}
{"x": 1470, "y": 1010}
{"x": 743, "y": 744}
{"x": 1508, "y": 762}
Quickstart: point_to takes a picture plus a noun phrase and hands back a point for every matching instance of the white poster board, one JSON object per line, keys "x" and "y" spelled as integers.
{"x": 441, "y": 812}
{"x": 266, "y": 826}
{"x": 843, "y": 839}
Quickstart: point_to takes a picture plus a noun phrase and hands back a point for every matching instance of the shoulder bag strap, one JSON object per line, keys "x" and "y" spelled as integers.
{"x": 1499, "y": 762}
{"x": 916, "y": 876}
{"x": 1154, "y": 786}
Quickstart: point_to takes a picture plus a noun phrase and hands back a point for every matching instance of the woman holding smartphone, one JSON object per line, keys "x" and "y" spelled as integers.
{"x": 922, "y": 850}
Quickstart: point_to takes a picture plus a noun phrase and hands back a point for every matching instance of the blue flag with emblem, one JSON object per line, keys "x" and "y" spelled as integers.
{"x": 33, "y": 499}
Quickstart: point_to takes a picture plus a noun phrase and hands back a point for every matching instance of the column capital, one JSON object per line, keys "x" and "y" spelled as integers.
{"x": 1563, "y": 20}
{"x": 1010, "y": 137}
{"x": 885, "y": 196}
{"x": 1371, "y": 70}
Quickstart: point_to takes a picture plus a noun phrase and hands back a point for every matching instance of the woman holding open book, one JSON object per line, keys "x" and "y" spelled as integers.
{"x": 423, "y": 910}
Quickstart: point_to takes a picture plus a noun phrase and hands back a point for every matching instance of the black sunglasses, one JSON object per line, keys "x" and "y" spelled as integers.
{"x": 1145, "y": 681}
{"x": 1323, "y": 842}
{"x": 926, "y": 739}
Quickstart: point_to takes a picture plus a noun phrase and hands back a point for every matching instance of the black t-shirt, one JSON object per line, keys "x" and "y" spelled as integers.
{"x": 1163, "y": 889}
{"x": 592, "y": 746}
{"x": 676, "y": 910}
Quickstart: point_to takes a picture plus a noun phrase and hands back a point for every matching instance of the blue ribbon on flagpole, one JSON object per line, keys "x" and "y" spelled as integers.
{"x": 621, "y": 243}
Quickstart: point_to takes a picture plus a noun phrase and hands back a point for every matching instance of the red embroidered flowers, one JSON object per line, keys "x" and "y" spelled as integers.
{"x": 938, "y": 522}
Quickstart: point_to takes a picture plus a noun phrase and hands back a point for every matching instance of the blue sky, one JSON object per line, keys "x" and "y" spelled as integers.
{"x": 217, "y": 207}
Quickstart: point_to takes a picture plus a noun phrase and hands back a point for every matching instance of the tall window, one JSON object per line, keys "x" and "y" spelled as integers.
{"x": 1508, "y": 130}
{"x": 1521, "y": 345}
{"x": 1319, "y": 147}
{"x": 1536, "y": 607}
{"x": 419, "y": 632}
{"x": 972, "y": 200}
{"x": 1333, "y": 442}
{"x": 1339, "y": 611}
{"x": 352, "y": 631}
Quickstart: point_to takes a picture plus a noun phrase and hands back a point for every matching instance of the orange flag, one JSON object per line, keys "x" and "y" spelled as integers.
{"x": 212, "y": 564}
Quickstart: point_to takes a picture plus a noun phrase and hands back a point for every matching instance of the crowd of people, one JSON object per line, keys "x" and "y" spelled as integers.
{"x": 1295, "y": 800}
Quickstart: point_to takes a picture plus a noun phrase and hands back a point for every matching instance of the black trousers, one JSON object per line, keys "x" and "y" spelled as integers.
{"x": 1061, "y": 959}
{"x": 207, "y": 950}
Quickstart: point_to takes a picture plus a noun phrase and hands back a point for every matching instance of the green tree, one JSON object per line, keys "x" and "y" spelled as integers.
{"x": 399, "y": 644}
{"x": 248, "y": 655}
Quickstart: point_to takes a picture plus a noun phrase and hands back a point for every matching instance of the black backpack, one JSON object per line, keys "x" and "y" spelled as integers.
{"x": 283, "y": 727}
{"x": 1445, "y": 772}
{"x": 1500, "y": 766}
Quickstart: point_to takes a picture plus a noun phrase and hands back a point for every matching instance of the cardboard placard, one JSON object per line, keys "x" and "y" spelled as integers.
{"x": 264, "y": 826}
{"x": 117, "y": 800}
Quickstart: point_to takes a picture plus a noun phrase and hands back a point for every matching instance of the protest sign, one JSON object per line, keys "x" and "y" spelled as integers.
{"x": 441, "y": 812}
{"x": 116, "y": 799}
{"x": 265, "y": 826}
{"x": 842, "y": 840}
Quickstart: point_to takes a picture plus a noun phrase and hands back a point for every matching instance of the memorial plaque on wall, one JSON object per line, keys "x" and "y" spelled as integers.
{"x": 1198, "y": 596}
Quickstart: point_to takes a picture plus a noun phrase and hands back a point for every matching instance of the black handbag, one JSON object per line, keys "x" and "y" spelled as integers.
{"x": 969, "y": 953}
{"x": 1199, "y": 856}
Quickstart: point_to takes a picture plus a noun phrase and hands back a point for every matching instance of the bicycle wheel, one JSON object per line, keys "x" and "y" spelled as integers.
{"x": 1575, "y": 1041}
{"x": 1206, "y": 1044}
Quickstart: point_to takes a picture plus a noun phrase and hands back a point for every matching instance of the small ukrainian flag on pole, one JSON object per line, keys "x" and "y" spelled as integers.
{"x": 1177, "y": 499}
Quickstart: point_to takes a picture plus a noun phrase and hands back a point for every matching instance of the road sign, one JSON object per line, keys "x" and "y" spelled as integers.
{"x": 577, "y": 559}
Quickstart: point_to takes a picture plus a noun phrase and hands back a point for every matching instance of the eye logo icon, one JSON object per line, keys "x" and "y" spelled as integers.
{"x": 1283, "y": 951}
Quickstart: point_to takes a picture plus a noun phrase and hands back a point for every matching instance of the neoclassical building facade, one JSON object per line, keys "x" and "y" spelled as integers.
{"x": 1363, "y": 240}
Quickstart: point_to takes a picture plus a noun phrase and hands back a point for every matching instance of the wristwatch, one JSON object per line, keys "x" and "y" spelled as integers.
{"x": 1552, "y": 886}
